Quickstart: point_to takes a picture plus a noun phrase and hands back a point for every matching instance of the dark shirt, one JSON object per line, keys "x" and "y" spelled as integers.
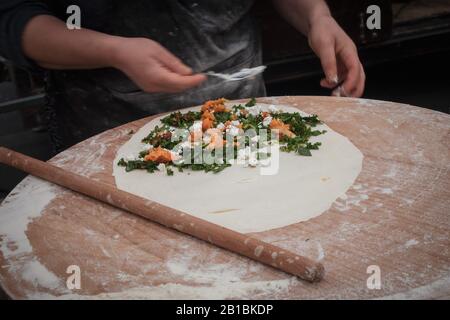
{"x": 14, "y": 15}
{"x": 202, "y": 33}
{"x": 217, "y": 35}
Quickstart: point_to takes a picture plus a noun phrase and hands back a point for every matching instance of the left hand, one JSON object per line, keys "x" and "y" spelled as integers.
{"x": 338, "y": 56}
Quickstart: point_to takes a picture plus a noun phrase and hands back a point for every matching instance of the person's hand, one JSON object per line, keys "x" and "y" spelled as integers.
{"x": 152, "y": 67}
{"x": 338, "y": 56}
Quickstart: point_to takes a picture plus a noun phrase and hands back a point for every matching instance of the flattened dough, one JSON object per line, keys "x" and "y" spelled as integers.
{"x": 239, "y": 197}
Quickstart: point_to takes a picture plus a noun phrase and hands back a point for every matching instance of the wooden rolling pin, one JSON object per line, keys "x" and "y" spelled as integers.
{"x": 233, "y": 241}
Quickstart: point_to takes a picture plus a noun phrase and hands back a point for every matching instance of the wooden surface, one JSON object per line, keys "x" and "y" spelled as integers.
{"x": 217, "y": 235}
{"x": 396, "y": 216}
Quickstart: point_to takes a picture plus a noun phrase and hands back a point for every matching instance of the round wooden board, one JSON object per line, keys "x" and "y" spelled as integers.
{"x": 396, "y": 217}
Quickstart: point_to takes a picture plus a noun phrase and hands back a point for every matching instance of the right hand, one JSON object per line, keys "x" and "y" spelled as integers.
{"x": 339, "y": 57}
{"x": 152, "y": 67}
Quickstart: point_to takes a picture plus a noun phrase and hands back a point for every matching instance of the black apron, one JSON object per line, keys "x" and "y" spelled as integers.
{"x": 205, "y": 34}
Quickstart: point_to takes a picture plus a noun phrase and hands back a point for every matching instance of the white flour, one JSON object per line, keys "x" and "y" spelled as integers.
{"x": 19, "y": 209}
{"x": 210, "y": 281}
{"x": 434, "y": 289}
{"x": 39, "y": 275}
{"x": 26, "y": 203}
{"x": 175, "y": 291}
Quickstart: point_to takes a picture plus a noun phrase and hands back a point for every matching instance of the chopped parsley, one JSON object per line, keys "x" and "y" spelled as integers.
{"x": 150, "y": 166}
{"x": 251, "y": 103}
{"x": 295, "y": 138}
{"x": 180, "y": 120}
{"x": 222, "y": 117}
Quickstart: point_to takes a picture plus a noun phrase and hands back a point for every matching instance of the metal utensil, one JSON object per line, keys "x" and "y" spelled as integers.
{"x": 240, "y": 75}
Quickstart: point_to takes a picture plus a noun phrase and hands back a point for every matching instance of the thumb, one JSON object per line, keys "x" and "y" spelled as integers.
{"x": 169, "y": 81}
{"x": 172, "y": 63}
{"x": 327, "y": 58}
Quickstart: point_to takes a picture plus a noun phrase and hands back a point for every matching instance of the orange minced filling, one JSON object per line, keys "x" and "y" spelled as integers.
{"x": 159, "y": 155}
{"x": 208, "y": 109}
{"x": 284, "y": 129}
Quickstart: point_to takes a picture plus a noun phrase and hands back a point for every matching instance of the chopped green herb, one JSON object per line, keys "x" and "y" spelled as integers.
{"x": 162, "y": 136}
{"x": 150, "y": 166}
{"x": 222, "y": 117}
{"x": 304, "y": 151}
{"x": 179, "y": 120}
{"x": 251, "y": 103}
{"x": 237, "y": 107}
{"x": 142, "y": 154}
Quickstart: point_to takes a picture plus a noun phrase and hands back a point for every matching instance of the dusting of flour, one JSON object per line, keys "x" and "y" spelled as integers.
{"x": 26, "y": 203}
{"x": 209, "y": 281}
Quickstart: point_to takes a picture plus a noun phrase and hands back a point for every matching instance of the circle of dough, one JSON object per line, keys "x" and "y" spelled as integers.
{"x": 240, "y": 198}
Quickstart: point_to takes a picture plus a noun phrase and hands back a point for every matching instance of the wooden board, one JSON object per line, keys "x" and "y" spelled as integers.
{"x": 396, "y": 217}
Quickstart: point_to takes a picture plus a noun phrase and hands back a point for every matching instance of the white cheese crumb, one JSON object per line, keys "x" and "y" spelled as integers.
{"x": 185, "y": 144}
{"x": 254, "y": 111}
{"x": 241, "y": 154}
{"x": 146, "y": 147}
{"x": 197, "y": 126}
{"x": 244, "y": 153}
{"x": 207, "y": 139}
{"x": 233, "y": 131}
{"x": 220, "y": 126}
{"x": 267, "y": 121}
{"x": 253, "y": 162}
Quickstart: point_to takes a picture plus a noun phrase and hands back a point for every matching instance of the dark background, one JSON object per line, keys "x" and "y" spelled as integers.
{"x": 406, "y": 61}
{"x": 408, "y": 81}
